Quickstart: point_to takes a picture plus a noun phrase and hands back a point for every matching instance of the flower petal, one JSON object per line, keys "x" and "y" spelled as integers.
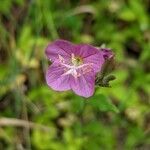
{"x": 90, "y": 54}
{"x": 83, "y": 85}
{"x": 55, "y": 78}
{"x": 97, "y": 60}
{"x": 85, "y": 50}
{"x": 59, "y": 48}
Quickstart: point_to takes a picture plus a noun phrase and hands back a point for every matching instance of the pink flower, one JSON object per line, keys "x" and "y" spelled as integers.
{"x": 74, "y": 66}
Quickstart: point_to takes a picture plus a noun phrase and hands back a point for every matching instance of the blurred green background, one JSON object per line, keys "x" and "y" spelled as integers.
{"x": 32, "y": 116}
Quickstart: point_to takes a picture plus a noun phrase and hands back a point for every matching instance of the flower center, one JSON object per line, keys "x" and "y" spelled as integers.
{"x": 76, "y": 60}
{"x": 76, "y": 66}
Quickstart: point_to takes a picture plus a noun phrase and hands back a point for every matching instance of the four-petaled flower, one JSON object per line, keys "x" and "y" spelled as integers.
{"x": 74, "y": 66}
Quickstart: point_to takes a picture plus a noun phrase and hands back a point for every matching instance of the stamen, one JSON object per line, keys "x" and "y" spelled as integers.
{"x": 61, "y": 59}
{"x": 76, "y": 68}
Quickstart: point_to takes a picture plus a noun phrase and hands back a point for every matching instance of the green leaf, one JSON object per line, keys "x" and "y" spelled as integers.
{"x": 5, "y": 6}
{"x": 78, "y": 104}
{"x": 127, "y": 15}
{"x": 103, "y": 103}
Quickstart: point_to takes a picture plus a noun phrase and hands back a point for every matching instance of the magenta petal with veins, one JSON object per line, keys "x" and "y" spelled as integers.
{"x": 74, "y": 66}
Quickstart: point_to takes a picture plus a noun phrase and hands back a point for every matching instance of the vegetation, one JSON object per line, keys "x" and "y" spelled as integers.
{"x": 32, "y": 116}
